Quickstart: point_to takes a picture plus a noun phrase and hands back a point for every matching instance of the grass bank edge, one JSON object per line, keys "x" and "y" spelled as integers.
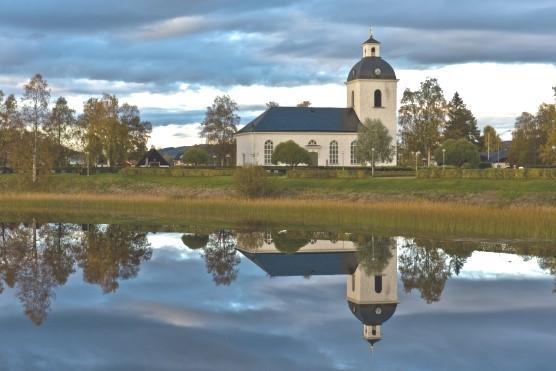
{"x": 396, "y": 217}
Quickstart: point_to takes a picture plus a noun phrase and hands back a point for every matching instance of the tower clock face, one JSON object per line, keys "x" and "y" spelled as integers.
{"x": 378, "y": 71}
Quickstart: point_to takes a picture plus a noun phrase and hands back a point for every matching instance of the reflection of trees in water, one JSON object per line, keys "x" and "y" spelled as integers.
{"x": 290, "y": 241}
{"x": 424, "y": 268}
{"x": 221, "y": 258}
{"x": 111, "y": 254}
{"x": 36, "y": 259}
{"x": 549, "y": 263}
{"x": 195, "y": 241}
{"x": 373, "y": 253}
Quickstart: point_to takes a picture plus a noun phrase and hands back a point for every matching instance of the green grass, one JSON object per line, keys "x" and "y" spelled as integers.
{"x": 539, "y": 191}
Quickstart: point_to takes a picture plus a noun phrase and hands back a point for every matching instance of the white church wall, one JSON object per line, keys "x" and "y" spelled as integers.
{"x": 250, "y": 146}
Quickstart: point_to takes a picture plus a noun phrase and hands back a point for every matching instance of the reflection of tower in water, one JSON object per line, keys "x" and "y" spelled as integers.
{"x": 370, "y": 265}
{"x": 373, "y": 296}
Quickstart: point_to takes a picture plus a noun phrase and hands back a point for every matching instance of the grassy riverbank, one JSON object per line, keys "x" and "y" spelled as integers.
{"x": 475, "y": 191}
{"x": 417, "y": 217}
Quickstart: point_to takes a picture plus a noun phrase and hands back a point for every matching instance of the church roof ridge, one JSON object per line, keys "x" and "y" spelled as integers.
{"x": 304, "y": 119}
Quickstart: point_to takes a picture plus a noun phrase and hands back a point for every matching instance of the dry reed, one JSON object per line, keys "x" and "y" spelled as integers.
{"x": 397, "y": 217}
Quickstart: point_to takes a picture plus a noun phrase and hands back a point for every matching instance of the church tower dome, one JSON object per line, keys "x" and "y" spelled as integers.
{"x": 372, "y": 88}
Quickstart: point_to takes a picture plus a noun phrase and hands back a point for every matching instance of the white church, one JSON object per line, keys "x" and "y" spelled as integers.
{"x": 329, "y": 134}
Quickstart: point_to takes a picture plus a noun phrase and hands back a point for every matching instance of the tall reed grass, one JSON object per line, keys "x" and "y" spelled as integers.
{"x": 418, "y": 217}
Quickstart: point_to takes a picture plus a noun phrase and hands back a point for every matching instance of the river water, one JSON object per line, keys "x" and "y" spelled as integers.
{"x": 135, "y": 297}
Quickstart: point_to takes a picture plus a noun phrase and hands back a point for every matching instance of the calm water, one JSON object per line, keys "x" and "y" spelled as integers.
{"x": 120, "y": 297}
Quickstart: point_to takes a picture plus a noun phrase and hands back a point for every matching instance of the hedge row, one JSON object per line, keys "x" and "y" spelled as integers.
{"x": 177, "y": 171}
{"x": 350, "y": 174}
{"x": 494, "y": 173}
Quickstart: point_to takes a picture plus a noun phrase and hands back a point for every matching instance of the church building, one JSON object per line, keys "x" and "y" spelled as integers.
{"x": 329, "y": 134}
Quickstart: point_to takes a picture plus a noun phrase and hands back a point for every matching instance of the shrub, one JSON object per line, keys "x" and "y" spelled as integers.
{"x": 253, "y": 181}
{"x": 458, "y": 153}
{"x": 290, "y": 153}
{"x": 196, "y": 156}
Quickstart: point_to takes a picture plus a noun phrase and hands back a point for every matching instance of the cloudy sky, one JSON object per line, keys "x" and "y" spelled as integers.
{"x": 172, "y": 57}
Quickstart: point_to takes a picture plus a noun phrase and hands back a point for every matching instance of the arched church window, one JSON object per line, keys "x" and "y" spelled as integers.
{"x": 352, "y": 99}
{"x": 353, "y": 152}
{"x": 333, "y": 153}
{"x": 378, "y": 98}
{"x": 312, "y": 142}
{"x": 378, "y": 284}
{"x": 268, "y": 149}
{"x": 373, "y": 51}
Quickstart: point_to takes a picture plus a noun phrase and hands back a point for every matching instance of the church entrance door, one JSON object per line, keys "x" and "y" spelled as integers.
{"x": 314, "y": 158}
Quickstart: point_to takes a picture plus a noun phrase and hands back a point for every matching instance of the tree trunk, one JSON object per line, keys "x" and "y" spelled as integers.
{"x": 35, "y": 158}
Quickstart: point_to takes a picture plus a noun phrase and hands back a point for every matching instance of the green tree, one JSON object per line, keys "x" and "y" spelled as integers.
{"x": 490, "y": 140}
{"x": 548, "y": 150}
{"x": 291, "y": 154}
{"x": 60, "y": 128}
{"x": 524, "y": 150}
{"x": 305, "y": 103}
{"x": 196, "y": 156}
{"x": 137, "y": 131}
{"x": 220, "y": 125}
{"x": 373, "y": 135}
{"x": 272, "y": 104}
{"x": 461, "y": 122}
{"x": 11, "y": 127}
{"x": 36, "y": 97}
{"x": 458, "y": 152}
{"x": 422, "y": 116}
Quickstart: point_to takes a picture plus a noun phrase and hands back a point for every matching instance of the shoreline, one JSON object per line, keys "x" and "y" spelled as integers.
{"x": 447, "y": 218}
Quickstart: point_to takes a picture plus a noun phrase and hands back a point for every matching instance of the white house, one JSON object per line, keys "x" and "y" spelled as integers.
{"x": 329, "y": 134}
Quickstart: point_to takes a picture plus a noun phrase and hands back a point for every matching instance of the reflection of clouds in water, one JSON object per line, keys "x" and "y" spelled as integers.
{"x": 172, "y": 316}
{"x": 485, "y": 265}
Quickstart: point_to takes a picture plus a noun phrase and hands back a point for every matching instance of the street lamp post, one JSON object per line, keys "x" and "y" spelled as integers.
{"x": 373, "y": 161}
{"x": 443, "y": 158}
{"x": 417, "y": 162}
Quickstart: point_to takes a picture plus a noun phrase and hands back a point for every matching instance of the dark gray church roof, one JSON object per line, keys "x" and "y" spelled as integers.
{"x": 372, "y": 314}
{"x": 305, "y": 264}
{"x": 365, "y": 69}
{"x": 371, "y": 40}
{"x": 304, "y": 119}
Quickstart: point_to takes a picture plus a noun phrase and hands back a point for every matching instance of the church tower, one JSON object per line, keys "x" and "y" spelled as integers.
{"x": 372, "y": 88}
{"x": 373, "y": 298}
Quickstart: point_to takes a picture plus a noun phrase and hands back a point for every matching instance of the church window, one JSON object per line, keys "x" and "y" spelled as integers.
{"x": 352, "y": 99}
{"x": 372, "y": 52}
{"x": 353, "y": 148}
{"x": 312, "y": 142}
{"x": 378, "y": 98}
{"x": 378, "y": 284}
{"x": 268, "y": 148}
{"x": 333, "y": 153}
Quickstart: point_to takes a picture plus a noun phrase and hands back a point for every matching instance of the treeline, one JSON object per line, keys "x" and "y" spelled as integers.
{"x": 434, "y": 129}
{"x": 37, "y": 136}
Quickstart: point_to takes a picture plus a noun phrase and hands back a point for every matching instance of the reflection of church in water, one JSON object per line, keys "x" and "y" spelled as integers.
{"x": 372, "y": 294}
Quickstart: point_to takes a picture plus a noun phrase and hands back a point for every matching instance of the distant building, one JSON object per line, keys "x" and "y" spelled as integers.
{"x": 153, "y": 159}
{"x": 500, "y": 157}
{"x": 329, "y": 134}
